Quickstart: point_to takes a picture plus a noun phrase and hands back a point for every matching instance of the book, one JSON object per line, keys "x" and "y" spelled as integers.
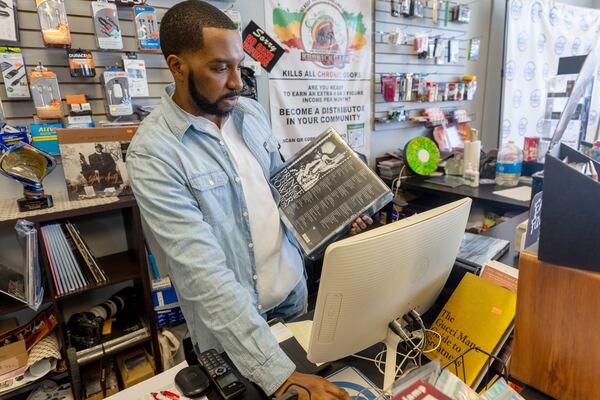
{"x": 501, "y": 275}
{"x": 323, "y": 188}
{"x": 421, "y": 390}
{"x": 476, "y": 250}
{"x": 478, "y": 313}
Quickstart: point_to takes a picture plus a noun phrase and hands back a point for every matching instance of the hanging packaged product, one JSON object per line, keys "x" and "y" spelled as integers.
{"x": 106, "y": 24}
{"x": 453, "y": 51}
{"x": 14, "y": 73}
{"x": 146, "y": 27}
{"x": 395, "y": 8}
{"x": 405, "y": 7}
{"x": 462, "y": 13}
{"x": 116, "y": 87}
{"x": 81, "y": 63}
{"x": 389, "y": 87}
{"x": 236, "y": 17}
{"x": 53, "y": 22}
{"x": 9, "y": 32}
{"x": 138, "y": 80}
{"x": 45, "y": 93}
{"x": 421, "y": 44}
{"x": 417, "y": 9}
{"x": 474, "y": 45}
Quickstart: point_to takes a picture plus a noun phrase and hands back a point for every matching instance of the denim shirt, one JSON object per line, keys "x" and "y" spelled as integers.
{"x": 186, "y": 188}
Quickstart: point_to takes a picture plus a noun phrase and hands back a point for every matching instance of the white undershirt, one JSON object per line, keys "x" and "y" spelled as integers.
{"x": 278, "y": 263}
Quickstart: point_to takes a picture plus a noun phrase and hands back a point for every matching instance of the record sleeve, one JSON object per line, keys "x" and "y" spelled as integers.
{"x": 323, "y": 188}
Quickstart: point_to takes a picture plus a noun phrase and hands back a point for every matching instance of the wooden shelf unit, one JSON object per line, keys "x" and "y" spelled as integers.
{"x": 123, "y": 266}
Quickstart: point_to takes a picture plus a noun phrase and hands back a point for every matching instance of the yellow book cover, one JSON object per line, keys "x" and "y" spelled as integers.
{"x": 478, "y": 313}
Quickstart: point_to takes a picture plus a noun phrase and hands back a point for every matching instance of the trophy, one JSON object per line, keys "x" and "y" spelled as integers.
{"x": 28, "y": 166}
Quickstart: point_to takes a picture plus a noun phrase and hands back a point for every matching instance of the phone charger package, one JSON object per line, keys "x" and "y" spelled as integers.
{"x": 138, "y": 79}
{"x": 53, "y": 23}
{"x": 9, "y": 30}
{"x": 14, "y": 73}
{"x": 45, "y": 93}
{"x": 81, "y": 63}
{"x": 146, "y": 27}
{"x": 106, "y": 24}
{"x": 118, "y": 97}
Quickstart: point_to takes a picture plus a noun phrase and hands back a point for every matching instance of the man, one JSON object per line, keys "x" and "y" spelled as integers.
{"x": 199, "y": 167}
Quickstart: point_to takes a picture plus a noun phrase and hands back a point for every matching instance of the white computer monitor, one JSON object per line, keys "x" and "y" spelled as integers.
{"x": 371, "y": 279}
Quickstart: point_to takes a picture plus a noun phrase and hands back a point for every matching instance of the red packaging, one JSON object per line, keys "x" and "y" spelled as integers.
{"x": 531, "y": 148}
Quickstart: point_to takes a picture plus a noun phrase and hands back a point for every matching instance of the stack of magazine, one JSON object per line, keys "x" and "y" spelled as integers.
{"x": 72, "y": 264}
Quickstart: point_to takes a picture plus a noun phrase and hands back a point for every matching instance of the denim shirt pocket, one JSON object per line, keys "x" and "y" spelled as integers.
{"x": 212, "y": 193}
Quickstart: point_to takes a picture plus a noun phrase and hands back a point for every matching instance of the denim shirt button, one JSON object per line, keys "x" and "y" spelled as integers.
{"x": 245, "y": 213}
{"x": 237, "y": 178}
{"x": 222, "y": 143}
{"x": 259, "y": 307}
{"x": 255, "y": 277}
{"x": 250, "y": 245}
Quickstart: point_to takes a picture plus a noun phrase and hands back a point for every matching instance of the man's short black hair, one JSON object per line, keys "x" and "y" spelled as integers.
{"x": 181, "y": 27}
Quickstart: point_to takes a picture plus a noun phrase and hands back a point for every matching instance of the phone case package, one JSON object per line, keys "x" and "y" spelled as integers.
{"x": 45, "y": 93}
{"x": 118, "y": 97}
{"x": 53, "y": 23}
{"x": 146, "y": 27}
{"x": 14, "y": 73}
{"x": 138, "y": 80}
{"x": 106, "y": 24}
{"x": 9, "y": 31}
{"x": 81, "y": 63}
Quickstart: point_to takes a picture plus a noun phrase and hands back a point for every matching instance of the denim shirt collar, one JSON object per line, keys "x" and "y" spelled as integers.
{"x": 179, "y": 123}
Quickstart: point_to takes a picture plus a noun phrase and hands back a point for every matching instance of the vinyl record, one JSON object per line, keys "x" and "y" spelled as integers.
{"x": 422, "y": 156}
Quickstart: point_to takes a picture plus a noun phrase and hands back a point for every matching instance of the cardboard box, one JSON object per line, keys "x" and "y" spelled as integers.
{"x": 13, "y": 356}
{"x": 135, "y": 366}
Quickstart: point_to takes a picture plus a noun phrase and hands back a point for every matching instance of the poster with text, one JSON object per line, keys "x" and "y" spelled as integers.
{"x": 324, "y": 78}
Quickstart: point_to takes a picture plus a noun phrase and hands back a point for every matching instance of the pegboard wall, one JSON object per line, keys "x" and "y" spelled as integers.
{"x": 79, "y": 14}
{"x": 402, "y": 58}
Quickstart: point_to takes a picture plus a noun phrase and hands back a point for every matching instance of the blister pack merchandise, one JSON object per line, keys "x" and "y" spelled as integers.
{"x": 53, "y": 23}
{"x": 45, "y": 93}
{"x": 146, "y": 27}
{"x": 13, "y": 72}
{"x": 81, "y": 63}
{"x": 9, "y": 32}
{"x": 106, "y": 24}
{"x": 118, "y": 96}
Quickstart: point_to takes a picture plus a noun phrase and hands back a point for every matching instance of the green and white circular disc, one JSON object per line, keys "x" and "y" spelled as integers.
{"x": 422, "y": 156}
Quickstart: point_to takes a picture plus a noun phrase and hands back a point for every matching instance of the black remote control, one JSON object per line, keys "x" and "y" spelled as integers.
{"x": 221, "y": 374}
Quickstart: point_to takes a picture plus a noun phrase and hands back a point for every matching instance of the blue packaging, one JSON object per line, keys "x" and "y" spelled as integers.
{"x": 146, "y": 26}
{"x": 43, "y": 136}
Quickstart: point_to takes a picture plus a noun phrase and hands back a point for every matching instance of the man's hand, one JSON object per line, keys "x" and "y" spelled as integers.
{"x": 312, "y": 387}
{"x": 360, "y": 224}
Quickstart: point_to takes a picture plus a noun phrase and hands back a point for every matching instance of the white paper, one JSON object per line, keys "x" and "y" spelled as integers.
{"x": 281, "y": 332}
{"x": 521, "y": 193}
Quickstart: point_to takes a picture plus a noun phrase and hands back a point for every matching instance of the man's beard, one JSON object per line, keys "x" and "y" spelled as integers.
{"x": 203, "y": 104}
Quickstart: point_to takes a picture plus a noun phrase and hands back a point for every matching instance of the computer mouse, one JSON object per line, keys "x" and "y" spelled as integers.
{"x": 192, "y": 381}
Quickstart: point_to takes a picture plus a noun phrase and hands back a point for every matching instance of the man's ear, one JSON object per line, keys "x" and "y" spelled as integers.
{"x": 178, "y": 67}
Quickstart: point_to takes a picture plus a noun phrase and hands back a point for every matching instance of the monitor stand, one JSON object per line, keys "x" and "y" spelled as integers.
{"x": 391, "y": 348}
